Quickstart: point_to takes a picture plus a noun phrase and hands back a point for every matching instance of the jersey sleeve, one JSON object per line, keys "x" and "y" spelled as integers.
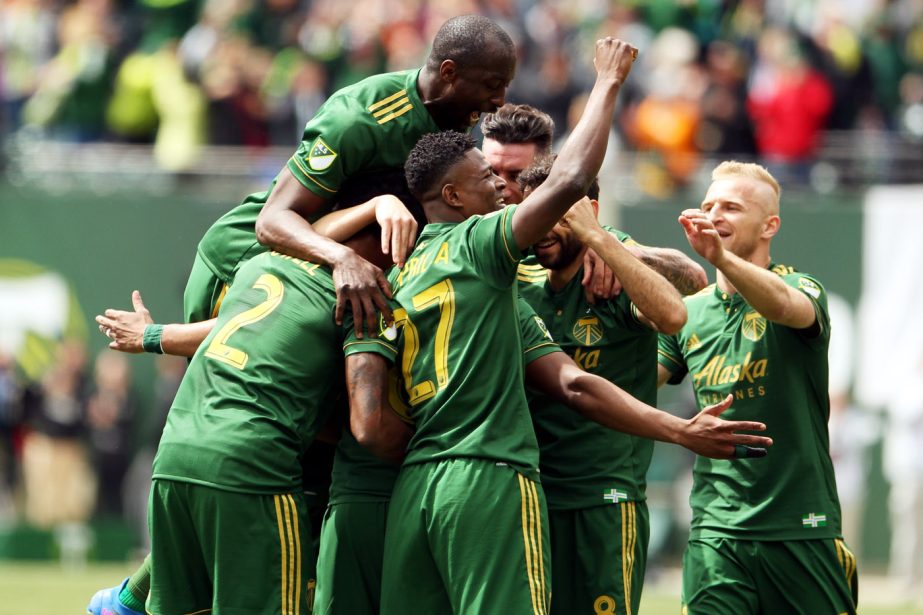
{"x": 384, "y": 344}
{"x": 670, "y": 357}
{"x": 810, "y": 287}
{"x": 493, "y": 248}
{"x": 536, "y": 339}
{"x": 335, "y": 145}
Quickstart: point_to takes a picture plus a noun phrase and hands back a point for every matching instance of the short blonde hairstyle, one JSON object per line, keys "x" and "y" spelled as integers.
{"x": 732, "y": 168}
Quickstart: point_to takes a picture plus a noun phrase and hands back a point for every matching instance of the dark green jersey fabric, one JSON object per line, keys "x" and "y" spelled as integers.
{"x": 359, "y": 476}
{"x": 461, "y": 355}
{"x": 777, "y": 375}
{"x": 584, "y": 464}
{"x": 261, "y": 384}
{"x": 366, "y": 127}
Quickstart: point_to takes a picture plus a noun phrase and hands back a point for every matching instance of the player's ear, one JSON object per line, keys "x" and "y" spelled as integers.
{"x": 595, "y": 205}
{"x": 450, "y": 195}
{"x": 448, "y": 71}
{"x": 771, "y": 226}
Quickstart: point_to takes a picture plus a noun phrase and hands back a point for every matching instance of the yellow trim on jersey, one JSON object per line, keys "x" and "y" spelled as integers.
{"x": 290, "y": 548}
{"x": 671, "y": 359}
{"x": 224, "y": 291}
{"x": 537, "y": 346}
{"x": 308, "y": 174}
{"x": 387, "y": 345}
{"x": 532, "y": 525}
{"x": 388, "y": 99}
{"x": 535, "y": 267}
{"x": 531, "y": 280}
{"x": 506, "y": 244}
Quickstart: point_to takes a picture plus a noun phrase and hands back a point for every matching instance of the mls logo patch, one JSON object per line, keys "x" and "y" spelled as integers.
{"x": 541, "y": 325}
{"x": 321, "y": 156}
{"x": 809, "y": 287}
{"x": 753, "y": 326}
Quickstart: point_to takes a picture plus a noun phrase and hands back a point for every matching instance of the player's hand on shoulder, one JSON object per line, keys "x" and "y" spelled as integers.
{"x": 363, "y": 288}
{"x": 125, "y": 330}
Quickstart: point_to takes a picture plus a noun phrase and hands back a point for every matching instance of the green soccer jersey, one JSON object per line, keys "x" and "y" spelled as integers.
{"x": 366, "y": 127}
{"x": 360, "y": 476}
{"x": 461, "y": 348}
{"x": 261, "y": 384}
{"x": 584, "y": 464}
{"x": 777, "y": 375}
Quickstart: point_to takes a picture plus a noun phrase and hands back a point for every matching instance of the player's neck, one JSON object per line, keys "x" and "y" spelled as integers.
{"x": 561, "y": 277}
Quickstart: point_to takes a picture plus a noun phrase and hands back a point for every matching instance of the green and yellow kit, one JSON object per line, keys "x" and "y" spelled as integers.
{"x": 228, "y": 468}
{"x": 353, "y": 534}
{"x": 366, "y": 127}
{"x": 594, "y": 478}
{"x": 777, "y": 375}
{"x": 461, "y": 363}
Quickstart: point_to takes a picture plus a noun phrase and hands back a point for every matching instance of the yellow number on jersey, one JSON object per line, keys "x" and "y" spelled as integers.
{"x": 218, "y": 348}
{"x": 441, "y": 295}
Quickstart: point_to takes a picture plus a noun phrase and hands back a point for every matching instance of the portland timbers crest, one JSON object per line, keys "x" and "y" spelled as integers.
{"x": 321, "y": 156}
{"x": 587, "y": 330}
{"x": 753, "y": 326}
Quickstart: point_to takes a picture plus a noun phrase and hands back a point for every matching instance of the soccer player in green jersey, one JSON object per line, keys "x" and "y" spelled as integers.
{"x": 766, "y": 534}
{"x": 226, "y": 507}
{"x": 470, "y": 475}
{"x": 595, "y": 478}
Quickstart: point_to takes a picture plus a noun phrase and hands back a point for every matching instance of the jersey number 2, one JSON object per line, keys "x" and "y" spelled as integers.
{"x": 441, "y": 295}
{"x": 218, "y": 349}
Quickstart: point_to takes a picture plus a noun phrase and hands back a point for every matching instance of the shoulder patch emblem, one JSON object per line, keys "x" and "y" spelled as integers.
{"x": 321, "y": 156}
{"x": 587, "y": 330}
{"x": 753, "y": 326}
{"x": 543, "y": 327}
{"x": 808, "y": 286}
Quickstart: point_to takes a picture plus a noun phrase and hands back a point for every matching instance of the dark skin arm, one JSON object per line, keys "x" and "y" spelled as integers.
{"x": 283, "y": 226}
{"x": 557, "y": 376}
{"x": 372, "y": 421}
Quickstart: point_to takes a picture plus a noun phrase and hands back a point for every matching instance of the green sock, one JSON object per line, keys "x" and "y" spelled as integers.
{"x": 134, "y": 594}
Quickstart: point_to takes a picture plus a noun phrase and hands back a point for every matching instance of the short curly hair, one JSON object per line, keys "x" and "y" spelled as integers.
{"x": 534, "y": 176}
{"x": 431, "y": 158}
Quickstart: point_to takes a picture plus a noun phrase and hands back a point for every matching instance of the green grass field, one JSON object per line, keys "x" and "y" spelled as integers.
{"x": 47, "y": 589}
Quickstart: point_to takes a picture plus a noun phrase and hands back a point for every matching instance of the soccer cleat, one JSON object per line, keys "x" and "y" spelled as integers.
{"x": 106, "y": 602}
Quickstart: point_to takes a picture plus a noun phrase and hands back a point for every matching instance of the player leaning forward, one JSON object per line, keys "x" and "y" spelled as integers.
{"x": 765, "y": 536}
{"x": 467, "y": 527}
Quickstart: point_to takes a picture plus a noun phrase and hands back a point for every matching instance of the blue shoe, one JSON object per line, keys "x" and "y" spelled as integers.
{"x": 106, "y": 602}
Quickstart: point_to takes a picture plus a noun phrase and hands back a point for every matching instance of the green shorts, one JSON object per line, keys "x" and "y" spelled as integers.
{"x": 465, "y": 536}
{"x": 234, "y": 553}
{"x": 598, "y": 556}
{"x": 203, "y": 294}
{"x": 729, "y": 576}
{"x": 349, "y": 566}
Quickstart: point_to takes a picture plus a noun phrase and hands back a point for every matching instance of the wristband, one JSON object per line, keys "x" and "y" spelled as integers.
{"x": 150, "y": 341}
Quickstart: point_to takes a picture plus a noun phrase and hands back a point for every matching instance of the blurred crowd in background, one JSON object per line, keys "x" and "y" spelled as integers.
{"x": 754, "y": 78}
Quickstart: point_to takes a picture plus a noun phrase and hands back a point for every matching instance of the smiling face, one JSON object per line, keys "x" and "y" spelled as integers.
{"x": 744, "y": 211}
{"x": 508, "y": 161}
{"x": 472, "y": 186}
{"x": 478, "y": 89}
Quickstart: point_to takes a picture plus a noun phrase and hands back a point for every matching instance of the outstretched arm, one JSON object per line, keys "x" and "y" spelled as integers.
{"x": 579, "y": 161}
{"x": 283, "y": 226}
{"x": 557, "y": 376}
{"x": 125, "y": 330}
{"x": 660, "y": 305}
{"x": 763, "y": 290}
{"x": 372, "y": 421}
{"x": 686, "y": 275}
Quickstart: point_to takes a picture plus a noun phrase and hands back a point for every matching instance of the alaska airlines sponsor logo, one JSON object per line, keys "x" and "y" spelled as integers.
{"x": 716, "y": 372}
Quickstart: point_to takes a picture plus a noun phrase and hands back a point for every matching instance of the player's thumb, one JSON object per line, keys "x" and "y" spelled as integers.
{"x": 720, "y": 407}
{"x": 137, "y": 302}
